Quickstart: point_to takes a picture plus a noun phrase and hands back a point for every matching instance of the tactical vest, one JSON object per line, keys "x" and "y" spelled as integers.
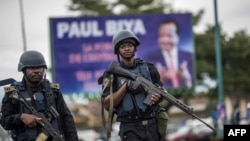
{"x": 132, "y": 104}
{"x": 42, "y": 103}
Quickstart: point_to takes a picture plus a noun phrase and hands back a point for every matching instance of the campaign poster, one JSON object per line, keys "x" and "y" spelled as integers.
{"x": 81, "y": 47}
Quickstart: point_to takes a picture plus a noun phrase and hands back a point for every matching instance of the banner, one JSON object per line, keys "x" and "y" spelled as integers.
{"x": 82, "y": 47}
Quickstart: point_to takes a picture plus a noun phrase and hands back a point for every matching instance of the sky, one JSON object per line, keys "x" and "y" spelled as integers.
{"x": 232, "y": 15}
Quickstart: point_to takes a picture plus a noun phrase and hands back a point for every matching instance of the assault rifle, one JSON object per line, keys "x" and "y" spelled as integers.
{"x": 151, "y": 89}
{"x": 47, "y": 128}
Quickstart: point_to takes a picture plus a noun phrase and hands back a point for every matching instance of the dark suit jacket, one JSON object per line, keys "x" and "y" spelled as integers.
{"x": 157, "y": 57}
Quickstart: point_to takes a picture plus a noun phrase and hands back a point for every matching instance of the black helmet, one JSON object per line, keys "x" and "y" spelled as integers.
{"x": 31, "y": 59}
{"x": 124, "y": 36}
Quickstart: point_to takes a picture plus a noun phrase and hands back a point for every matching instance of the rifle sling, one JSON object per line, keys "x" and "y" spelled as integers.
{"x": 26, "y": 103}
{"x": 107, "y": 124}
{"x": 31, "y": 95}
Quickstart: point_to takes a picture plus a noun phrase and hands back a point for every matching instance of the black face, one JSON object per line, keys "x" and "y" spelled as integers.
{"x": 34, "y": 74}
{"x": 127, "y": 50}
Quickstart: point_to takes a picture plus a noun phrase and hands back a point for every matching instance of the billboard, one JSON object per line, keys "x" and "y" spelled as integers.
{"x": 82, "y": 47}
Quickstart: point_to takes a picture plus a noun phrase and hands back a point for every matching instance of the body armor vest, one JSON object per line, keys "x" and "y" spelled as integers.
{"x": 132, "y": 104}
{"x": 42, "y": 104}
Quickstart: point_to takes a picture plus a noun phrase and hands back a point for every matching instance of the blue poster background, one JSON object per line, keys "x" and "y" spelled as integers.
{"x": 81, "y": 47}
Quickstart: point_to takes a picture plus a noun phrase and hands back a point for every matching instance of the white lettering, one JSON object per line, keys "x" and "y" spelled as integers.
{"x": 127, "y": 24}
{"x": 90, "y": 28}
{"x": 235, "y": 132}
{"x": 110, "y": 27}
{"x": 74, "y": 30}
{"x": 231, "y": 132}
{"x": 77, "y": 29}
{"x": 62, "y": 28}
{"x": 135, "y": 25}
{"x": 84, "y": 29}
{"x": 95, "y": 30}
{"x": 139, "y": 27}
{"x": 243, "y": 131}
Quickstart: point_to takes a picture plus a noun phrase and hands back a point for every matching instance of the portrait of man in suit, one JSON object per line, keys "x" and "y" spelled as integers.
{"x": 174, "y": 64}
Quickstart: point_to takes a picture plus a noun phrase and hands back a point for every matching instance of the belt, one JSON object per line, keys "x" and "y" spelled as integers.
{"x": 141, "y": 122}
{"x": 136, "y": 118}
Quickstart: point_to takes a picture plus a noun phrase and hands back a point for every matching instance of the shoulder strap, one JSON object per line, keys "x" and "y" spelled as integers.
{"x": 108, "y": 124}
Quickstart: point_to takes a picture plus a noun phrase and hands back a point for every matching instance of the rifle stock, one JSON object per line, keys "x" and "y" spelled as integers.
{"x": 151, "y": 89}
{"x": 7, "y": 81}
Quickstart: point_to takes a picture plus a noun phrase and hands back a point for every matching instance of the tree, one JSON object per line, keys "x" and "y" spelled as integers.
{"x": 236, "y": 52}
{"x": 105, "y": 7}
{"x": 91, "y": 7}
{"x": 124, "y": 7}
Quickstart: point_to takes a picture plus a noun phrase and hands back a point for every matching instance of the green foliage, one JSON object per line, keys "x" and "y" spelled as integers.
{"x": 91, "y": 7}
{"x": 197, "y": 17}
{"x": 137, "y": 7}
{"x": 235, "y": 54}
{"x": 105, "y": 7}
{"x": 236, "y": 71}
{"x": 205, "y": 53}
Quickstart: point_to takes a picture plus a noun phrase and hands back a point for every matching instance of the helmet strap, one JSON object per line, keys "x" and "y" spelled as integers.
{"x": 44, "y": 76}
{"x": 118, "y": 58}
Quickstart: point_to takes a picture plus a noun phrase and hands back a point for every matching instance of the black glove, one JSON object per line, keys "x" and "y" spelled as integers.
{"x": 133, "y": 86}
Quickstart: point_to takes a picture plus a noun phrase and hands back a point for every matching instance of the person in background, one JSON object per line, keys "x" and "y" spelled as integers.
{"x": 173, "y": 64}
{"x": 137, "y": 120}
{"x": 45, "y": 97}
{"x": 235, "y": 118}
{"x": 214, "y": 115}
{"x": 248, "y": 113}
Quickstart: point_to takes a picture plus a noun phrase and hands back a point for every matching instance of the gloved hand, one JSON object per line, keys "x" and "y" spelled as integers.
{"x": 133, "y": 86}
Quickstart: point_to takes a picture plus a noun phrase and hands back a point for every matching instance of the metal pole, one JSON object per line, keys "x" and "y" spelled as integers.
{"x": 218, "y": 56}
{"x": 22, "y": 25}
{"x": 218, "y": 68}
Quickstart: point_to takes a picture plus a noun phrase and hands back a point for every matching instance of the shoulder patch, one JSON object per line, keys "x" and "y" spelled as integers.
{"x": 9, "y": 89}
{"x": 55, "y": 86}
